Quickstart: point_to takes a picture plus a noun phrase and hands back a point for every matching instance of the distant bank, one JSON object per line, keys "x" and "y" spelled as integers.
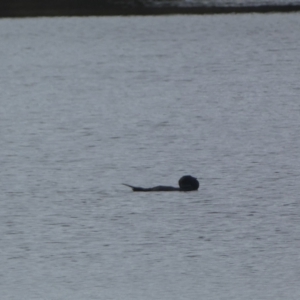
{"x": 36, "y": 8}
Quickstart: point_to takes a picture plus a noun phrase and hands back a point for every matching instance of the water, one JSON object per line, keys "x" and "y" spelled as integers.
{"x": 90, "y": 103}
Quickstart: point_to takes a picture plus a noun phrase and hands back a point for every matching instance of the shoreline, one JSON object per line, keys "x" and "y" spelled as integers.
{"x": 67, "y": 11}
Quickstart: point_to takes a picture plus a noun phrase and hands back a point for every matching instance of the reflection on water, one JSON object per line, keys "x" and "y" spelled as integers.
{"x": 90, "y": 103}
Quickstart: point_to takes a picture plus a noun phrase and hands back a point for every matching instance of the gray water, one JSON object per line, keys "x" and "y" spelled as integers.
{"x": 90, "y": 103}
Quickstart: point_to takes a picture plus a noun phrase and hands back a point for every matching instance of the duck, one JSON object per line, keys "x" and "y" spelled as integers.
{"x": 186, "y": 183}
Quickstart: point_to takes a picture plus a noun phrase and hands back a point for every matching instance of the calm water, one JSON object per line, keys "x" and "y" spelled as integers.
{"x": 90, "y": 103}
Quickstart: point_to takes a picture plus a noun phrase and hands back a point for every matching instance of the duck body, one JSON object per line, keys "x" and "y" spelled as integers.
{"x": 159, "y": 188}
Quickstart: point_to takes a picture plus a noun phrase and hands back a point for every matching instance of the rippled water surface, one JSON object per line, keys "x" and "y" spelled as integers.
{"x": 90, "y": 103}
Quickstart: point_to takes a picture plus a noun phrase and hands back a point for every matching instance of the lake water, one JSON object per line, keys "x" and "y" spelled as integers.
{"x": 90, "y": 103}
